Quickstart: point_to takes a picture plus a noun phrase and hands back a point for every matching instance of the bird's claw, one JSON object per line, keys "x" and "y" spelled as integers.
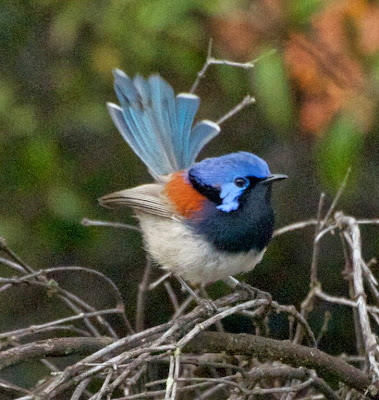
{"x": 262, "y": 311}
{"x": 253, "y": 292}
{"x": 209, "y": 306}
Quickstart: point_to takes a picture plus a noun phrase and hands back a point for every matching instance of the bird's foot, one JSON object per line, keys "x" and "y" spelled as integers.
{"x": 261, "y": 313}
{"x": 208, "y": 306}
{"x": 254, "y": 293}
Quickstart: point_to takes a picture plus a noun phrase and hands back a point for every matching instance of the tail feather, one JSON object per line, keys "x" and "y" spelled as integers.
{"x": 201, "y": 134}
{"x": 144, "y": 89}
{"x": 163, "y": 113}
{"x": 186, "y": 109}
{"x": 138, "y": 115}
{"x": 119, "y": 119}
{"x": 157, "y": 125}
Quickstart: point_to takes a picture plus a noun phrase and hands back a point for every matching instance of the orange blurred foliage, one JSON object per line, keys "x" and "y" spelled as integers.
{"x": 241, "y": 32}
{"x": 326, "y": 64}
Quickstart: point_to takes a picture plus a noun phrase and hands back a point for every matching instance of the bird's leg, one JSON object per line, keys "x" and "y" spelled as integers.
{"x": 208, "y": 305}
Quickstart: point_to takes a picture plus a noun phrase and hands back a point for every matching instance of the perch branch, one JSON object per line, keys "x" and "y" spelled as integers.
{"x": 326, "y": 366}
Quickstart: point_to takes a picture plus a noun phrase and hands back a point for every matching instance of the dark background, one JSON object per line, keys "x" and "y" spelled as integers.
{"x": 315, "y": 115}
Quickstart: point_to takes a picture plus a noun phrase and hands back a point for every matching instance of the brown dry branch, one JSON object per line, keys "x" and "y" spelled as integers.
{"x": 265, "y": 349}
{"x": 214, "y": 61}
{"x": 248, "y": 100}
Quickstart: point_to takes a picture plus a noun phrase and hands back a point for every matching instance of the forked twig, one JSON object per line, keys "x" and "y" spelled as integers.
{"x": 240, "y": 106}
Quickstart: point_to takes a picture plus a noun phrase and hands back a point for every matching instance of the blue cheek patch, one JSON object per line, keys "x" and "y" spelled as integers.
{"x": 229, "y": 195}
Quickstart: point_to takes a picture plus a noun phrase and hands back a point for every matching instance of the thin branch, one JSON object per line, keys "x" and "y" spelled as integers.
{"x": 214, "y": 61}
{"x": 4, "y": 247}
{"x": 141, "y": 297}
{"x": 103, "y": 388}
{"x": 69, "y": 299}
{"x": 164, "y": 331}
{"x": 247, "y": 100}
{"x": 294, "y": 227}
{"x": 157, "y": 282}
{"x": 41, "y": 327}
{"x": 185, "y": 304}
{"x": 108, "y": 281}
{"x": 8, "y": 389}
{"x": 171, "y": 295}
{"x": 218, "y": 317}
{"x": 11, "y": 264}
{"x": 285, "y": 372}
{"x": 316, "y": 246}
{"x": 324, "y": 327}
{"x": 342, "y": 301}
{"x": 118, "y": 225}
{"x": 201, "y": 73}
{"x": 79, "y": 390}
{"x": 170, "y": 379}
{"x": 336, "y": 199}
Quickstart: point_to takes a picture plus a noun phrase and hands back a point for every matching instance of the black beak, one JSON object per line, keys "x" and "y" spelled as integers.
{"x": 274, "y": 177}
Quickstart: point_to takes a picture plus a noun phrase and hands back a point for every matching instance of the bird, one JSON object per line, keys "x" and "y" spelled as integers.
{"x": 202, "y": 221}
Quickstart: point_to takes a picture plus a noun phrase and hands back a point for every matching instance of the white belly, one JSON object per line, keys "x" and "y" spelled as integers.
{"x": 176, "y": 248}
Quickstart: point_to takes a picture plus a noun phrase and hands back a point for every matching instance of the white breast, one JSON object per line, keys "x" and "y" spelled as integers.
{"x": 176, "y": 248}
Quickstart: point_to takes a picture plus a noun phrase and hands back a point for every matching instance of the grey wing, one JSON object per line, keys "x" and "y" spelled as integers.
{"x": 146, "y": 198}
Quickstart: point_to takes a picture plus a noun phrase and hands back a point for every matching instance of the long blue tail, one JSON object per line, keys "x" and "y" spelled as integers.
{"x": 157, "y": 125}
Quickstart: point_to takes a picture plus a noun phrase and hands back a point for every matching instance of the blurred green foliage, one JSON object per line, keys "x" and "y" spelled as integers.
{"x": 301, "y": 11}
{"x": 59, "y": 150}
{"x": 340, "y": 149}
{"x": 273, "y": 92}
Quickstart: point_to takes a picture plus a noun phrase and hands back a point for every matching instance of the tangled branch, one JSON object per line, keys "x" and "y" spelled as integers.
{"x": 239, "y": 365}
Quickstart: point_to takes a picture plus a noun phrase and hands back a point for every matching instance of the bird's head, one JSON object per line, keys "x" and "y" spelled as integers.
{"x": 224, "y": 180}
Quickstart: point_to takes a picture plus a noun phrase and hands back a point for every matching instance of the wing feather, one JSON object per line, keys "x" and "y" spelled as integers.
{"x": 146, "y": 198}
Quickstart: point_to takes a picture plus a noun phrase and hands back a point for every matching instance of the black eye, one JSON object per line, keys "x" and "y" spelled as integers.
{"x": 241, "y": 182}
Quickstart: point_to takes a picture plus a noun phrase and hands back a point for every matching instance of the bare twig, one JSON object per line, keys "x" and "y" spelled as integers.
{"x": 201, "y": 73}
{"x": 171, "y": 295}
{"x": 316, "y": 246}
{"x": 10, "y": 390}
{"x": 7, "y": 250}
{"x": 42, "y": 327}
{"x": 324, "y": 328}
{"x": 141, "y": 297}
{"x": 294, "y": 227}
{"x": 161, "y": 279}
{"x": 370, "y": 342}
{"x": 118, "y": 225}
{"x": 108, "y": 281}
{"x": 99, "y": 394}
{"x": 336, "y": 199}
{"x": 240, "y": 106}
{"x": 214, "y": 61}
{"x": 80, "y": 389}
